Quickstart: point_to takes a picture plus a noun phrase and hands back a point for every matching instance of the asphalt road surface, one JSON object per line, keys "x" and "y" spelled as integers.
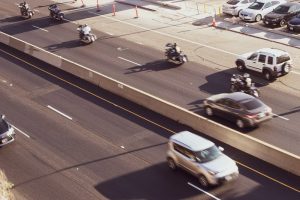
{"x": 145, "y": 68}
{"x": 76, "y": 141}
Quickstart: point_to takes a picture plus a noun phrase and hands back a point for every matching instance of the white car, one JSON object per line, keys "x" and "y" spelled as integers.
{"x": 201, "y": 158}
{"x": 270, "y": 62}
{"x": 7, "y": 132}
{"x": 257, "y": 10}
{"x": 234, "y": 7}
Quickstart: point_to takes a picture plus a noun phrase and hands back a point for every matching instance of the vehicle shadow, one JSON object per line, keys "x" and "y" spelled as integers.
{"x": 157, "y": 65}
{"x": 64, "y": 45}
{"x": 12, "y": 19}
{"x": 151, "y": 183}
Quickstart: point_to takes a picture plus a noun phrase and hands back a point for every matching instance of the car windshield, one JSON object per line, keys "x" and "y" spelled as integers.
{"x": 252, "y": 104}
{"x": 256, "y": 5}
{"x": 233, "y": 2}
{"x": 208, "y": 154}
{"x": 282, "y": 59}
{"x": 281, "y": 9}
{"x": 3, "y": 126}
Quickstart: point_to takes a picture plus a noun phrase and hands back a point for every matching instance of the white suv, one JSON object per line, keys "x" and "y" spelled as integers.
{"x": 201, "y": 158}
{"x": 270, "y": 62}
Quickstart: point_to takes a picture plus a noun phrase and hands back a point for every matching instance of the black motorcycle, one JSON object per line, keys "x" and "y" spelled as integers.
{"x": 238, "y": 85}
{"x": 56, "y": 14}
{"x": 25, "y": 12}
{"x": 175, "y": 56}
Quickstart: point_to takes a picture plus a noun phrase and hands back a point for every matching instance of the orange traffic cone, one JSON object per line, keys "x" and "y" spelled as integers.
{"x": 214, "y": 22}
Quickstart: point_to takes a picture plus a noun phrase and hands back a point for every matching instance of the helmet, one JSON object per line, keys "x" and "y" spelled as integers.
{"x": 246, "y": 75}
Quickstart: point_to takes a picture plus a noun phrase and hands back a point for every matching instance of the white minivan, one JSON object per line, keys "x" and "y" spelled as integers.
{"x": 201, "y": 158}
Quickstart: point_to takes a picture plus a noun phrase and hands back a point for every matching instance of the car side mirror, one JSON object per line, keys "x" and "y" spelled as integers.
{"x": 221, "y": 148}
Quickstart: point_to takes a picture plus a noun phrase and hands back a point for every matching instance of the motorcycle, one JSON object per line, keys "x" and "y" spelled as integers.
{"x": 86, "y": 38}
{"x": 237, "y": 85}
{"x": 59, "y": 16}
{"x": 175, "y": 57}
{"x": 25, "y": 13}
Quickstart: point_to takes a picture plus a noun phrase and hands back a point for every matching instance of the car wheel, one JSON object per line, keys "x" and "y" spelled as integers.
{"x": 209, "y": 111}
{"x": 286, "y": 68}
{"x": 258, "y": 18}
{"x": 203, "y": 181}
{"x": 171, "y": 164}
{"x": 240, "y": 66}
{"x": 240, "y": 123}
{"x": 282, "y": 23}
{"x": 238, "y": 13}
{"x": 267, "y": 75}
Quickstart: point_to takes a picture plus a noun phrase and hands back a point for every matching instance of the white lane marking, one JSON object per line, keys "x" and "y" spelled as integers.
{"x": 281, "y": 117}
{"x": 166, "y": 34}
{"x": 130, "y": 61}
{"x": 40, "y": 28}
{"x": 203, "y": 191}
{"x": 61, "y": 113}
{"x": 109, "y": 33}
{"x": 295, "y": 72}
{"x": 139, "y": 43}
{"x": 20, "y": 131}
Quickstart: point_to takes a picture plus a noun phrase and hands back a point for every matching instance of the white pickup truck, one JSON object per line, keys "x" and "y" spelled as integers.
{"x": 268, "y": 61}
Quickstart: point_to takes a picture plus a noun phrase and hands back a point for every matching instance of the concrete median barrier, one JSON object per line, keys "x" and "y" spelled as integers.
{"x": 245, "y": 143}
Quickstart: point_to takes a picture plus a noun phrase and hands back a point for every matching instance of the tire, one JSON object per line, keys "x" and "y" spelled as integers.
{"x": 232, "y": 88}
{"x": 203, "y": 181}
{"x": 240, "y": 123}
{"x": 171, "y": 164}
{"x": 258, "y": 18}
{"x": 286, "y": 68}
{"x": 282, "y": 23}
{"x": 209, "y": 111}
{"x": 240, "y": 66}
{"x": 238, "y": 13}
{"x": 267, "y": 75}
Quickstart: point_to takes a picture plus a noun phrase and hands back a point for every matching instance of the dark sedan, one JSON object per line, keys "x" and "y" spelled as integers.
{"x": 243, "y": 109}
{"x": 294, "y": 24}
{"x": 7, "y": 132}
{"x": 282, "y": 14}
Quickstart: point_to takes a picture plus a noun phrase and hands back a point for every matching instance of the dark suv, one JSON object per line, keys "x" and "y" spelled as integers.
{"x": 282, "y": 14}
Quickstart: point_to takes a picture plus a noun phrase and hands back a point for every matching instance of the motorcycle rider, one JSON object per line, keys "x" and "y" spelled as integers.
{"x": 24, "y": 7}
{"x": 54, "y": 9}
{"x": 174, "y": 50}
{"x": 247, "y": 81}
{"x": 84, "y": 30}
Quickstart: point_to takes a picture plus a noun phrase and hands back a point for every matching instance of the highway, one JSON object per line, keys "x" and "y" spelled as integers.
{"x": 76, "y": 141}
{"x": 144, "y": 67}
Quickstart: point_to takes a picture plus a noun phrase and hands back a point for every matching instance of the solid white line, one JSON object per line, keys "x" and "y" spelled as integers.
{"x": 281, "y": 117}
{"x": 166, "y": 34}
{"x": 203, "y": 191}
{"x": 63, "y": 114}
{"x": 40, "y": 28}
{"x": 130, "y": 61}
{"x": 20, "y": 131}
{"x": 295, "y": 72}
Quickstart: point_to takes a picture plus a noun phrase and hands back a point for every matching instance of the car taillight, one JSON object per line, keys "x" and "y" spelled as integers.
{"x": 250, "y": 116}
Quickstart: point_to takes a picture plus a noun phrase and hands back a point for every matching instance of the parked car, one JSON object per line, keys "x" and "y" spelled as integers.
{"x": 201, "y": 158}
{"x": 234, "y": 7}
{"x": 257, "y": 10}
{"x": 282, "y": 14}
{"x": 243, "y": 109}
{"x": 294, "y": 24}
{"x": 7, "y": 132}
{"x": 270, "y": 62}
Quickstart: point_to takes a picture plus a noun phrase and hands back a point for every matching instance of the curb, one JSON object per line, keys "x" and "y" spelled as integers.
{"x": 131, "y": 4}
{"x": 163, "y": 4}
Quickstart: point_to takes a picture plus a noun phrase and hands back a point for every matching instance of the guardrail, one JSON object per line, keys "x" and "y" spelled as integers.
{"x": 245, "y": 143}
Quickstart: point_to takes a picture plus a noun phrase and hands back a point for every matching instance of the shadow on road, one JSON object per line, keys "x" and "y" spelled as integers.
{"x": 158, "y": 65}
